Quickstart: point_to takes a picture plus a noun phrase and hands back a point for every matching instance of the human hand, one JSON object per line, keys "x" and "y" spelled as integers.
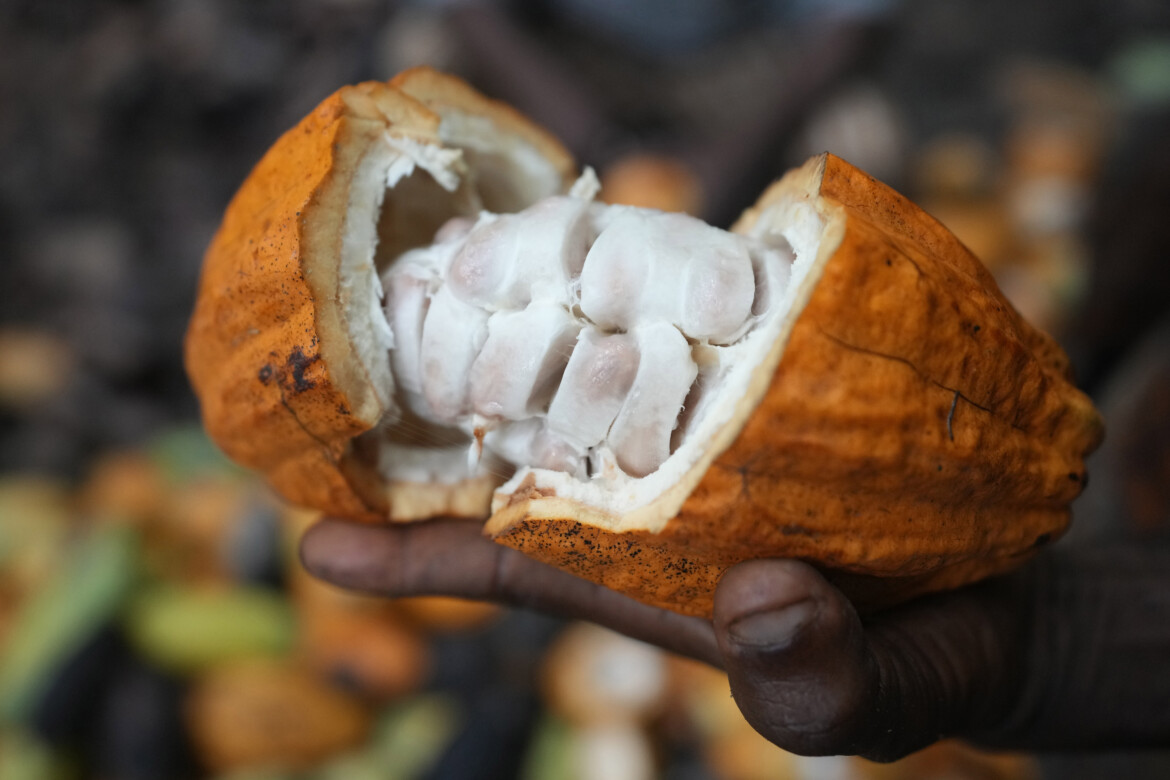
{"x": 807, "y": 672}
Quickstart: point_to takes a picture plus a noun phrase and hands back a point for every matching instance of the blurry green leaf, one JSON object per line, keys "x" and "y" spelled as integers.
{"x": 262, "y": 773}
{"x": 550, "y": 753}
{"x": 1142, "y": 69}
{"x": 362, "y": 765}
{"x": 412, "y": 736}
{"x": 186, "y": 630}
{"x": 406, "y": 742}
{"x": 186, "y": 454}
{"x": 23, "y": 757}
{"x": 54, "y": 622}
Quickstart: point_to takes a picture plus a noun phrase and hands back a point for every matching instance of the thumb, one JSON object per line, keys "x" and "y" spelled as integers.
{"x": 796, "y": 657}
{"x": 809, "y": 676}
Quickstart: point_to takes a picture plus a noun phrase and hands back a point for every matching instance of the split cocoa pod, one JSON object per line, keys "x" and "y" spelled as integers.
{"x": 415, "y": 308}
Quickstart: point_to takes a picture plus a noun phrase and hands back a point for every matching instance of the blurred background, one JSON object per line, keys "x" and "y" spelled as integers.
{"x": 153, "y": 620}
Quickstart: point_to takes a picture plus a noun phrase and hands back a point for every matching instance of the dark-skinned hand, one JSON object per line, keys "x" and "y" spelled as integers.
{"x": 989, "y": 662}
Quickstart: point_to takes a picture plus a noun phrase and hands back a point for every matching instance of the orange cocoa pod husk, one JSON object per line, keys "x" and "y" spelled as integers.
{"x": 907, "y": 430}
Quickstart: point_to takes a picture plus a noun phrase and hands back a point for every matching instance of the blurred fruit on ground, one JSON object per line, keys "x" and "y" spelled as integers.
{"x": 594, "y": 676}
{"x": 34, "y": 367}
{"x": 652, "y": 181}
{"x": 276, "y": 714}
{"x": 614, "y": 751}
{"x": 860, "y": 123}
{"x": 375, "y": 656}
{"x": 157, "y": 622}
{"x": 1021, "y": 204}
{"x": 1062, "y": 120}
{"x": 956, "y": 176}
{"x": 189, "y": 541}
{"x": 361, "y": 642}
{"x": 124, "y": 486}
{"x": 446, "y": 614}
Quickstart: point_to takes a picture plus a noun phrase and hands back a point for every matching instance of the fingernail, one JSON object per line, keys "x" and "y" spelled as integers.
{"x": 773, "y": 628}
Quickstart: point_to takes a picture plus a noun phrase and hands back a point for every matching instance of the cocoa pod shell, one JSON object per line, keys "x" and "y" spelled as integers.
{"x": 908, "y": 431}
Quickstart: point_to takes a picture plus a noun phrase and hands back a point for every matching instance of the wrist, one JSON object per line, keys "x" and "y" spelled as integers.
{"x": 1094, "y": 653}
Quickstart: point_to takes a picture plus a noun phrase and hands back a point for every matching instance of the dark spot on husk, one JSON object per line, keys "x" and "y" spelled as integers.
{"x": 298, "y": 362}
{"x": 265, "y": 374}
{"x": 797, "y": 530}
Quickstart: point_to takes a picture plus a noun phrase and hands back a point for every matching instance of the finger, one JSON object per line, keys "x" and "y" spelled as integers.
{"x": 812, "y": 678}
{"x": 447, "y": 558}
{"x": 796, "y": 656}
{"x": 451, "y": 557}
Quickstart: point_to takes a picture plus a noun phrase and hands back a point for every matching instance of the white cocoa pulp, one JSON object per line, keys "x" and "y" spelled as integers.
{"x": 573, "y": 337}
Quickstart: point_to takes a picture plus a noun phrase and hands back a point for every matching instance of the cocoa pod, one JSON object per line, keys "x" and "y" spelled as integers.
{"x": 886, "y": 414}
